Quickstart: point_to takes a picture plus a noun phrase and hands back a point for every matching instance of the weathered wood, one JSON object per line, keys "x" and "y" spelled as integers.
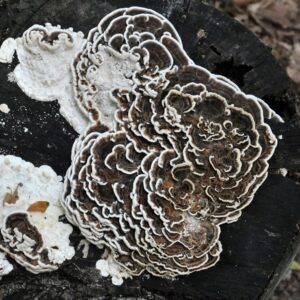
{"x": 257, "y": 248}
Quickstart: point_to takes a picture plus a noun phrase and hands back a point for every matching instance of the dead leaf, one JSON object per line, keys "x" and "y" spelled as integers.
{"x": 39, "y": 206}
{"x": 10, "y": 198}
{"x": 293, "y": 69}
{"x": 243, "y": 3}
{"x": 295, "y": 266}
{"x": 280, "y": 12}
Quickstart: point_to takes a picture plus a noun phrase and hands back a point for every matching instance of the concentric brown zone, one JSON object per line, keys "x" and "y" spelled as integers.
{"x": 15, "y": 233}
{"x": 222, "y": 147}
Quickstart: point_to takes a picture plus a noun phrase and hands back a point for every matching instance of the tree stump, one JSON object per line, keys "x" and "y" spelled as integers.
{"x": 257, "y": 249}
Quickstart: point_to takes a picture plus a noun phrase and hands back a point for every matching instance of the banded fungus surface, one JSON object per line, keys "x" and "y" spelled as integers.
{"x": 31, "y": 232}
{"x": 175, "y": 153}
{"x": 129, "y": 46}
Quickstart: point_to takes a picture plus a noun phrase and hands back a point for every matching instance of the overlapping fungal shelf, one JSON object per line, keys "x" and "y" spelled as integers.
{"x": 30, "y": 230}
{"x": 129, "y": 46}
{"x": 176, "y": 151}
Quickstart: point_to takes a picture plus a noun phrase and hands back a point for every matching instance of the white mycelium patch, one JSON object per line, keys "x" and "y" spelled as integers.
{"x": 7, "y": 50}
{"x": 110, "y": 70}
{"x": 4, "y": 108}
{"x": 31, "y": 232}
{"x": 5, "y": 266}
{"x": 108, "y": 267}
{"x": 44, "y": 72}
{"x": 85, "y": 245}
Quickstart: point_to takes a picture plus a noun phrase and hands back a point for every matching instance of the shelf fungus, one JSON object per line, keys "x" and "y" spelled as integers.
{"x": 30, "y": 230}
{"x": 130, "y": 45}
{"x": 185, "y": 152}
{"x": 45, "y": 54}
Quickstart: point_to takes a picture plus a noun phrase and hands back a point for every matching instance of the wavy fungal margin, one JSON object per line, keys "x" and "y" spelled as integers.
{"x": 185, "y": 152}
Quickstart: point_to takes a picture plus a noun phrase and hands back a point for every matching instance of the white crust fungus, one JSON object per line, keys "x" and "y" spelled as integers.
{"x": 108, "y": 267}
{"x": 4, "y": 108}
{"x": 45, "y": 54}
{"x": 5, "y": 266}
{"x": 30, "y": 230}
{"x": 185, "y": 153}
{"x": 7, "y": 51}
{"x": 85, "y": 245}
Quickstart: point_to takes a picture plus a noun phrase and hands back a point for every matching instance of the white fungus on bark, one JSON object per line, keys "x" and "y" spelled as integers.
{"x": 5, "y": 266}
{"x": 108, "y": 267}
{"x": 45, "y": 54}
{"x": 30, "y": 230}
{"x": 7, "y": 50}
{"x": 85, "y": 245}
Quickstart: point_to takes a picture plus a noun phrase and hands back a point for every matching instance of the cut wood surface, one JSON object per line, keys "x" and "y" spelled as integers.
{"x": 257, "y": 248}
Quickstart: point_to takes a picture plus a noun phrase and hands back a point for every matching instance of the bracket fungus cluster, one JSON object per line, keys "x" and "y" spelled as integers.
{"x": 45, "y": 54}
{"x": 175, "y": 153}
{"x": 168, "y": 152}
{"x": 30, "y": 230}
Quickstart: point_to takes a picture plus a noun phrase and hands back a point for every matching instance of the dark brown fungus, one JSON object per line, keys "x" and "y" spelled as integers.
{"x": 187, "y": 152}
{"x": 30, "y": 230}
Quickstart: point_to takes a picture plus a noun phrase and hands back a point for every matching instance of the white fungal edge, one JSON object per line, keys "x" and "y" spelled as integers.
{"x": 37, "y": 184}
{"x": 265, "y": 110}
{"x": 111, "y": 74}
{"x": 44, "y": 69}
{"x": 7, "y": 51}
{"x": 85, "y": 245}
{"x": 5, "y": 266}
{"x": 109, "y": 267}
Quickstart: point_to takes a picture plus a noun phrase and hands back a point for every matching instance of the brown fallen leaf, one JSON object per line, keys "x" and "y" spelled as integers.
{"x": 39, "y": 206}
{"x": 293, "y": 69}
{"x": 295, "y": 266}
{"x": 12, "y": 198}
{"x": 243, "y": 3}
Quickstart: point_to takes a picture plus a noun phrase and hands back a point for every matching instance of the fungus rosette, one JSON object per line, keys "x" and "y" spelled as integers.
{"x": 129, "y": 46}
{"x": 110, "y": 195}
{"x": 220, "y": 141}
{"x": 175, "y": 153}
{"x": 179, "y": 164}
{"x": 45, "y": 54}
